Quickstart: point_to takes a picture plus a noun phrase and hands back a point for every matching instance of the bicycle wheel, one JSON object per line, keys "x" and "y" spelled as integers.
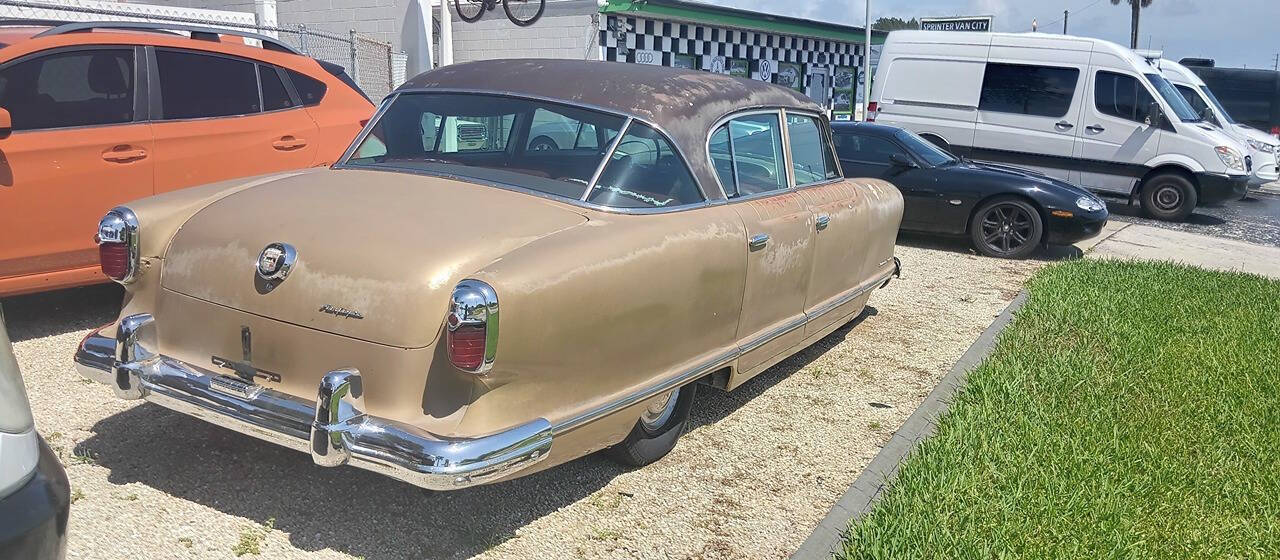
{"x": 469, "y": 10}
{"x": 524, "y": 12}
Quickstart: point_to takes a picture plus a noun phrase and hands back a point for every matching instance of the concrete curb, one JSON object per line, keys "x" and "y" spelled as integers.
{"x": 883, "y": 468}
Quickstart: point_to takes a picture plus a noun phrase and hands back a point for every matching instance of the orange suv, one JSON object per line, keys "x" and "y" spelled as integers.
{"x": 96, "y": 114}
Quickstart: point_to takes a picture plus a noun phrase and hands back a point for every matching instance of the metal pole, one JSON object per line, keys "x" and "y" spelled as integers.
{"x": 355, "y": 59}
{"x": 1277, "y": 65}
{"x": 302, "y": 39}
{"x": 866, "y": 65}
{"x": 1065, "y": 14}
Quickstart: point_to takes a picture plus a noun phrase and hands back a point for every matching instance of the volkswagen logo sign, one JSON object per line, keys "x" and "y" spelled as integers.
{"x": 275, "y": 261}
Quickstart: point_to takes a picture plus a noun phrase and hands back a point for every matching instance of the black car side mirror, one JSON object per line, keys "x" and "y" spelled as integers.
{"x": 899, "y": 160}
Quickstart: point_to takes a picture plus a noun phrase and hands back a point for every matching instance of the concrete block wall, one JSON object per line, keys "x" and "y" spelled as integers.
{"x": 567, "y": 30}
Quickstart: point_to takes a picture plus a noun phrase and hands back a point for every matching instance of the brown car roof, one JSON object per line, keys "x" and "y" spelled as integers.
{"x": 683, "y": 103}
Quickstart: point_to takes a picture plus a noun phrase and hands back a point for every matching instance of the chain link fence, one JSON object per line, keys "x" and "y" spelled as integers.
{"x": 372, "y": 63}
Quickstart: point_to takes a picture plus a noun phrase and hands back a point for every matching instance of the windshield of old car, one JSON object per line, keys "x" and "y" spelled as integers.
{"x": 924, "y": 149}
{"x": 537, "y": 145}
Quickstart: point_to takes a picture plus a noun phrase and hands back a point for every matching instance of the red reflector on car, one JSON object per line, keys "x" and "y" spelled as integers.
{"x": 363, "y": 122}
{"x": 871, "y": 111}
{"x": 466, "y": 347}
{"x": 114, "y": 258}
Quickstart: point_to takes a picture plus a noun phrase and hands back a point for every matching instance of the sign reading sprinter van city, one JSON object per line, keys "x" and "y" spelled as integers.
{"x": 967, "y": 23}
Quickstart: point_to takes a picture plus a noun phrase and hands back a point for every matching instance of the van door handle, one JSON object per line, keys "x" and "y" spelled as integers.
{"x": 823, "y": 221}
{"x": 289, "y": 143}
{"x": 1094, "y": 128}
{"x": 758, "y": 241}
{"x": 122, "y": 154}
{"x": 1063, "y": 125}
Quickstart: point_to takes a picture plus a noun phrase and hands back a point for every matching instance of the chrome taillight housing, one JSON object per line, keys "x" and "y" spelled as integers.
{"x": 118, "y": 245}
{"x": 471, "y": 328}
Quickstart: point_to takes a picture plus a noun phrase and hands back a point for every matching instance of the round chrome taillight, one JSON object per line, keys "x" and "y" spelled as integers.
{"x": 471, "y": 334}
{"x": 118, "y": 245}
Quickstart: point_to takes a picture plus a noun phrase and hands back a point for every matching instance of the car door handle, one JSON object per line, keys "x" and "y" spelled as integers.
{"x": 1063, "y": 125}
{"x": 289, "y": 143}
{"x": 758, "y": 241}
{"x": 122, "y": 154}
{"x": 1094, "y": 128}
{"x": 823, "y": 221}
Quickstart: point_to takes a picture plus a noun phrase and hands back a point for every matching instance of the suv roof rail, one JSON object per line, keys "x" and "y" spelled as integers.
{"x": 197, "y": 32}
{"x": 18, "y": 22}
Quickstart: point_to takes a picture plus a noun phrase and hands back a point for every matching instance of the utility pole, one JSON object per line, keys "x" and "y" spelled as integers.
{"x": 866, "y": 66}
{"x": 1065, "y": 14}
{"x": 1277, "y": 64}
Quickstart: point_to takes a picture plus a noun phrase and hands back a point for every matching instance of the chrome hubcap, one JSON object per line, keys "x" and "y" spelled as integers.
{"x": 1168, "y": 198}
{"x": 659, "y": 410}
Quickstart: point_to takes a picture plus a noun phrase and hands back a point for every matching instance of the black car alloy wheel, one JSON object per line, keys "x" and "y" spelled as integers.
{"x": 1007, "y": 228}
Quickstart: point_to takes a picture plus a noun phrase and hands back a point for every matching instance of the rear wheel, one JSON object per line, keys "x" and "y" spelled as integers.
{"x": 1006, "y": 228}
{"x": 469, "y": 10}
{"x": 542, "y": 143}
{"x": 524, "y": 12}
{"x": 1168, "y": 196}
{"x": 661, "y": 423}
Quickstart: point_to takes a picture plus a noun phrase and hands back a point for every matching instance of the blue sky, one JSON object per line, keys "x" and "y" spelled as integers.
{"x": 1234, "y": 32}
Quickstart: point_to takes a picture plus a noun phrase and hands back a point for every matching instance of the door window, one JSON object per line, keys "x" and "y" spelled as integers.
{"x": 194, "y": 86}
{"x": 866, "y": 149}
{"x": 811, "y": 159}
{"x": 1121, "y": 96}
{"x": 756, "y": 144}
{"x": 1042, "y": 91}
{"x": 274, "y": 96}
{"x": 78, "y": 88}
{"x": 644, "y": 172}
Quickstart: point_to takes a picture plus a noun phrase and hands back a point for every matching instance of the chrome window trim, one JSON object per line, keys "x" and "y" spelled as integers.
{"x": 608, "y": 155}
{"x": 719, "y": 359}
{"x": 786, "y": 147}
{"x": 725, "y": 120}
{"x": 343, "y": 162}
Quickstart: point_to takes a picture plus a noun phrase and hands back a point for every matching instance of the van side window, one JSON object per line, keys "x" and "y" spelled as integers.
{"x": 78, "y": 88}
{"x": 1041, "y": 91}
{"x": 1121, "y": 96}
{"x": 811, "y": 159}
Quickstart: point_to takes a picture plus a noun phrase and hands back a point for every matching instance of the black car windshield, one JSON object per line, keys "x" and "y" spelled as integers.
{"x": 1175, "y": 100}
{"x": 1217, "y": 106}
{"x": 924, "y": 149}
{"x": 537, "y": 145}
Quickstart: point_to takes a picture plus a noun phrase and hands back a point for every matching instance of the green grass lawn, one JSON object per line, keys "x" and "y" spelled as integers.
{"x": 1131, "y": 410}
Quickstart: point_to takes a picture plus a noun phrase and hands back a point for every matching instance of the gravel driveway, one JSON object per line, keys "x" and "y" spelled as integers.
{"x": 758, "y": 469}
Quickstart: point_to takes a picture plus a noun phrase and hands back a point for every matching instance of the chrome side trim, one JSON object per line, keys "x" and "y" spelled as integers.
{"x": 768, "y": 336}
{"x": 850, "y": 295}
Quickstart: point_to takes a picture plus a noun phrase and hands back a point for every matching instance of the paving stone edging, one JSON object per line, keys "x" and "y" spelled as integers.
{"x": 883, "y": 468}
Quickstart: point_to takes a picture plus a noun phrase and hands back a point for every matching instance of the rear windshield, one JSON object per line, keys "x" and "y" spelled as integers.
{"x": 536, "y": 145}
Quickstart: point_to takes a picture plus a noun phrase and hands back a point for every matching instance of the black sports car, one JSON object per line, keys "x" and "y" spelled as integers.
{"x": 1008, "y": 212}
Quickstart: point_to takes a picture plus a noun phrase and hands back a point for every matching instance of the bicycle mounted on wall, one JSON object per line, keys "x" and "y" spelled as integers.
{"x": 520, "y": 12}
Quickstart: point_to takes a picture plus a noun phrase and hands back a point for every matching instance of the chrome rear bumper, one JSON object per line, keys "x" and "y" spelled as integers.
{"x": 334, "y": 428}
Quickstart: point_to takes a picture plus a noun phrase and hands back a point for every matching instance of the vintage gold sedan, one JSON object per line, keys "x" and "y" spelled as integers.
{"x": 461, "y": 301}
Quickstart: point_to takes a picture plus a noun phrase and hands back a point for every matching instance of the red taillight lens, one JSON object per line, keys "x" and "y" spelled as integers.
{"x": 1275, "y": 130}
{"x": 115, "y": 259}
{"x": 871, "y": 111}
{"x": 466, "y": 347}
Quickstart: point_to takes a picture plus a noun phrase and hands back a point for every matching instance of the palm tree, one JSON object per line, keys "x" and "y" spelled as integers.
{"x": 1137, "y": 6}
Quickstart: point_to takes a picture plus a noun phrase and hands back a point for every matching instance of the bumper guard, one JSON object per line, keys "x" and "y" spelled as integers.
{"x": 334, "y": 428}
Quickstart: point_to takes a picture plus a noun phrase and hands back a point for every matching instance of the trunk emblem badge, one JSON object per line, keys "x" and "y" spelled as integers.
{"x": 274, "y": 264}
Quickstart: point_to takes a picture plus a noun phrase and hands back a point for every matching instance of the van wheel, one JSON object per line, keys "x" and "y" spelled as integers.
{"x": 1168, "y": 196}
{"x": 1006, "y": 228}
{"x": 660, "y": 425}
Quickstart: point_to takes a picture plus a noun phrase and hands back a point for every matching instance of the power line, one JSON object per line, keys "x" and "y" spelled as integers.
{"x": 1059, "y": 20}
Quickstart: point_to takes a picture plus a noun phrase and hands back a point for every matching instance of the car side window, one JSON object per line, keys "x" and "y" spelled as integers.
{"x": 811, "y": 159}
{"x": 721, "y": 152}
{"x": 274, "y": 96}
{"x": 1042, "y": 91}
{"x": 756, "y": 141}
{"x": 644, "y": 171}
{"x": 195, "y": 85}
{"x": 1121, "y": 96}
{"x": 71, "y": 88}
{"x": 866, "y": 149}
{"x": 309, "y": 89}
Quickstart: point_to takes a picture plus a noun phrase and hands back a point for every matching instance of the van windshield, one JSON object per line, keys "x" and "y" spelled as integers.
{"x": 1175, "y": 100}
{"x": 1217, "y": 105}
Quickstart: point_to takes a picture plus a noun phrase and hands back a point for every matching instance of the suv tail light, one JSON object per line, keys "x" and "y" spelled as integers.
{"x": 118, "y": 245}
{"x": 871, "y": 111}
{"x": 471, "y": 333}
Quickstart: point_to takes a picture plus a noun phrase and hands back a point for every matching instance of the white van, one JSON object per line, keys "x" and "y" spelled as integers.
{"x": 1263, "y": 148}
{"x": 1083, "y": 110}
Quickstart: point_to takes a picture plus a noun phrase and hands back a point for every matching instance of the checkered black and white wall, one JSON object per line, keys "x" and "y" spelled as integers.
{"x": 632, "y": 39}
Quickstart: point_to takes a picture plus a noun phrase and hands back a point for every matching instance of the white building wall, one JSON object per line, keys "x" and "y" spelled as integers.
{"x": 568, "y": 29}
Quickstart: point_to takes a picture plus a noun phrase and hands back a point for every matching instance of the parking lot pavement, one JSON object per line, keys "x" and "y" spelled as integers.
{"x": 758, "y": 469}
{"x": 1254, "y": 220}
